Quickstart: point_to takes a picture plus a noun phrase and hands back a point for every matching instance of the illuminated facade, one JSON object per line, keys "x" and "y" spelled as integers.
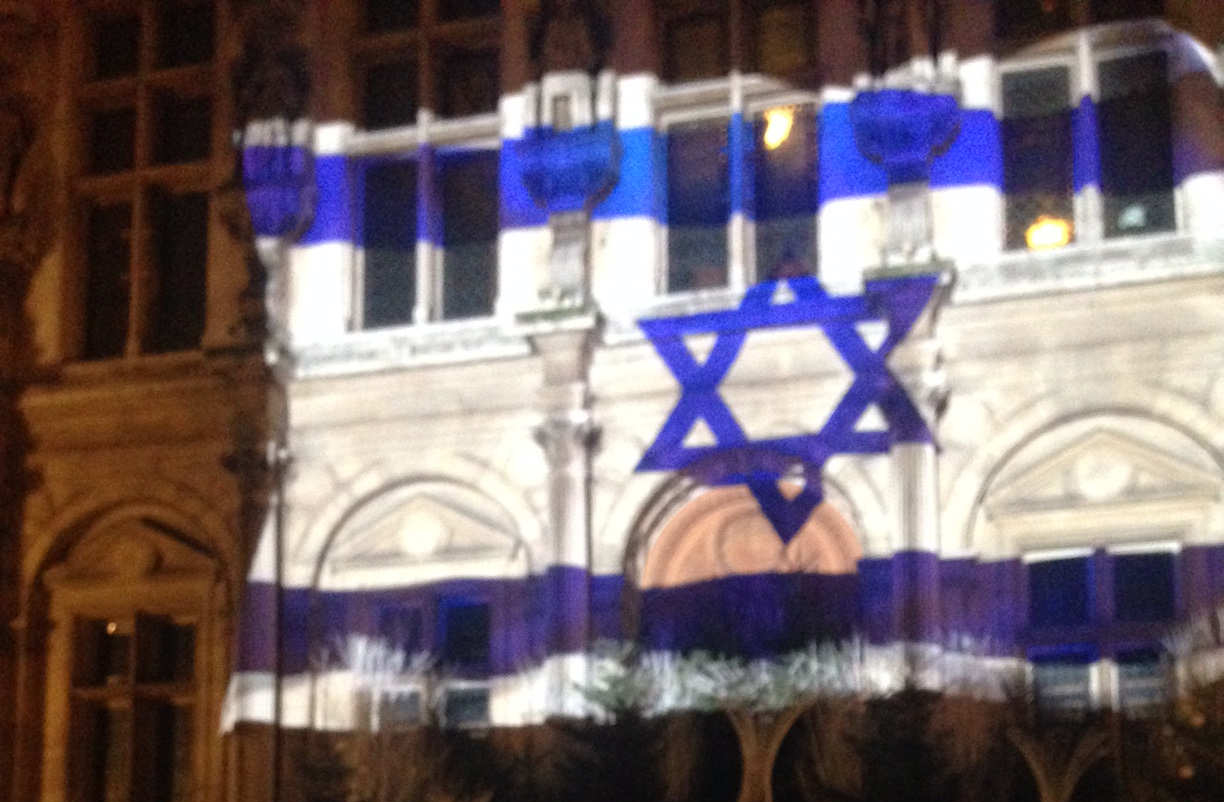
{"x": 260, "y": 466}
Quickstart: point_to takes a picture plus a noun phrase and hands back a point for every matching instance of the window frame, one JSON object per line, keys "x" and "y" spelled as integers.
{"x": 140, "y": 92}
{"x": 1082, "y": 56}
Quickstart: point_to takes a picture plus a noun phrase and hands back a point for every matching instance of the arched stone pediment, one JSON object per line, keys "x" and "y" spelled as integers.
{"x": 129, "y": 550}
{"x": 421, "y": 532}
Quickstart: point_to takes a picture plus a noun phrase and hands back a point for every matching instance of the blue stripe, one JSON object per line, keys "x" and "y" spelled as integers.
{"x": 1086, "y": 158}
{"x": 334, "y": 203}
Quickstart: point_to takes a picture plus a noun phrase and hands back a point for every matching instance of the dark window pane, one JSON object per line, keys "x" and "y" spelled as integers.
{"x": 469, "y": 219}
{"x": 402, "y": 628}
{"x": 1107, "y": 10}
{"x": 468, "y": 83}
{"x": 465, "y": 635}
{"x": 184, "y": 33}
{"x": 390, "y": 94}
{"x": 785, "y": 192}
{"x": 112, "y": 140}
{"x": 1063, "y": 684}
{"x": 696, "y": 47}
{"x": 467, "y": 707}
{"x": 1030, "y": 17}
{"x": 1037, "y": 152}
{"x": 103, "y": 654}
{"x": 1143, "y": 587}
{"x": 391, "y": 15}
{"x": 1059, "y": 592}
{"x": 182, "y": 128}
{"x": 165, "y": 651}
{"x": 180, "y": 250}
{"x": 109, "y": 242}
{"x": 1141, "y": 680}
{"x": 389, "y": 236}
{"x": 113, "y": 750}
{"x": 698, "y": 205}
{"x": 399, "y": 709}
{"x": 1136, "y": 145}
{"x": 163, "y": 738}
{"x": 116, "y": 45}
{"x": 462, "y": 9}
{"x": 784, "y": 38}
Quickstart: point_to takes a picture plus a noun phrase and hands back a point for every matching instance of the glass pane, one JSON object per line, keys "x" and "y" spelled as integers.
{"x": 103, "y": 653}
{"x": 1136, "y": 145}
{"x": 467, "y": 707}
{"x": 182, "y": 128}
{"x": 1143, "y": 587}
{"x": 402, "y": 628}
{"x": 1107, "y": 10}
{"x": 180, "y": 249}
{"x": 697, "y": 47}
{"x": 163, "y": 737}
{"x": 100, "y": 764}
{"x": 785, "y": 193}
{"x": 1062, "y": 686}
{"x": 109, "y": 242}
{"x": 389, "y": 235}
{"x": 184, "y": 33}
{"x": 1037, "y": 152}
{"x": 462, "y": 9}
{"x": 390, "y": 95}
{"x": 698, "y": 205}
{"x": 116, "y": 45}
{"x": 165, "y": 650}
{"x": 465, "y": 635}
{"x": 1141, "y": 680}
{"x": 783, "y": 38}
{"x": 115, "y": 746}
{"x": 469, "y": 219}
{"x": 1059, "y": 592}
{"x": 1030, "y": 17}
{"x": 390, "y": 15}
{"x": 112, "y": 140}
{"x": 468, "y": 82}
{"x": 399, "y": 708}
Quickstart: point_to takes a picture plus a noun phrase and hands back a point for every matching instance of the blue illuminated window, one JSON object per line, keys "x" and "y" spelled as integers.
{"x": 1143, "y": 587}
{"x": 698, "y": 204}
{"x": 389, "y": 236}
{"x": 1059, "y": 592}
{"x": 464, "y": 628}
{"x": 1037, "y": 150}
{"x": 785, "y": 187}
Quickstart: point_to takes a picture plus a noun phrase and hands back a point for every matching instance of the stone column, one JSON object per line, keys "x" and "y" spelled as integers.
{"x": 567, "y": 434}
{"x": 918, "y": 365}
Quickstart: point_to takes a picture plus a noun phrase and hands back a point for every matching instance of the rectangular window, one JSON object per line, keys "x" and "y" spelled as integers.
{"x": 182, "y": 128}
{"x": 785, "y": 192}
{"x": 112, "y": 140}
{"x": 184, "y": 33}
{"x": 107, "y": 293}
{"x": 449, "y": 10}
{"x": 698, "y": 205}
{"x": 180, "y": 262}
{"x": 1063, "y": 683}
{"x": 1037, "y": 152}
{"x": 466, "y": 707}
{"x": 465, "y": 635}
{"x": 391, "y": 15}
{"x": 389, "y": 237}
{"x": 469, "y": 219}
{"x": 783, "y": 38}
{"x": 468, "y": 81}
{"x": 389, "y": 94}
{"x": 399, "y": 709}
{"x": 1135, "y": 122}
{"x": 115, "y": 45}
{"x": 1059, "y": 592}
{"x": 165, "y": 650}
{"x": 1143, "y": 587}
{"x": 1017, "y": 18}
{"x": 1141, "y": 680}
{"x": 402, "y": 627}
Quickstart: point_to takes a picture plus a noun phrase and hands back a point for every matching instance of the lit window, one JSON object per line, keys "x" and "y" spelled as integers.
{"x": 785, "y": 191}
{"x": 1134, "y": 119}
{"x": 698, "y": 205}
{"x": 146, "y": 227}
{"x": 1063, "y": 681}
{"x": 1141, "y": 680}
{"x": 1037, "y": 152}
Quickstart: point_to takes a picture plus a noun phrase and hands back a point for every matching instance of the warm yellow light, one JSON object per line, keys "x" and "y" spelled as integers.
{"x": 778, "y": 124}
{"x": 1047, "y": 232}
{"x": 111, "y": 627}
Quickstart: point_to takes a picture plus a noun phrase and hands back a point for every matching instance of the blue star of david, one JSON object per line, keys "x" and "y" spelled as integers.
{"x": 760, "y": 464}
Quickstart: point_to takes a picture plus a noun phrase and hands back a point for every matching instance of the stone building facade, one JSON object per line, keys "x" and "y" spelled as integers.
{"x": 321, "y": 335}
